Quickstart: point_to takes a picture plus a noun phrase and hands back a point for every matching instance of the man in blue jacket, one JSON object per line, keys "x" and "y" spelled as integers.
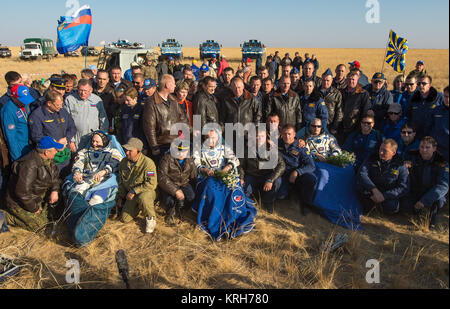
{"x": 383, "y": 179}
{"x": 422, "y": 105}
{"x": 439, "y": 125}
{"x": 300, "y": 168}
{"x": 14, "y": 119}
{"x": 408, "y": 141}
{"x": 410, "y": 90}
{"x": 429, "y": 181}
{"x": 380, "y": 98}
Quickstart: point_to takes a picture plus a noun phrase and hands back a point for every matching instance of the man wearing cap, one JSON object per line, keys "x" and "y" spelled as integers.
{"x": 149, "y": 69}
{"x": 195, "y": 69}
{"x": 333, "y": 101}
{"x": 380, "y": 98}
{"x": 176, "y": 173}
{"x": 340, "y": 81}
{"x": 137, "y": 180}
{"x": 53, "y": 120}
{"x": 420, "y": 69}
{"x": 57, "y": 84}
{"x": 87, "y": 111}
{"x": 285, "y": 103}
{"x": 391, "y": 127}
{"x": 204, "y": 71}
{"x": 363, "y": 79}
{"x": 134, "y": 68}
{"x": 149, "y": 89}
{"x": 13, "y": 78}
{"x": 14, "y": 120}
{"x": 161, "y": 112}
{"x": 33, "y": 187}
{"x": 422, "y": 104}
{"x": 295, "y": 79}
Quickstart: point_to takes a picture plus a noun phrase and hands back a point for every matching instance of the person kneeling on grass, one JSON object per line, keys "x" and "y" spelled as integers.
{"x": 33, "y": 186}
{"x": 428, "y": 172}
{"x": 137, "y": 185}
{"x": 383, "y": 179}
{"x": 175, "y": 173}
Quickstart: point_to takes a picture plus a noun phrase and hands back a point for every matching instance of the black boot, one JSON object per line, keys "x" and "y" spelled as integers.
{"x": 179, "y": 206}
{"x": 170, "y": 217}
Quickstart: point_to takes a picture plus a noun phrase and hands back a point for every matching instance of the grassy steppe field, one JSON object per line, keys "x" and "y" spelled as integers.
{"x": 283, "y": 252}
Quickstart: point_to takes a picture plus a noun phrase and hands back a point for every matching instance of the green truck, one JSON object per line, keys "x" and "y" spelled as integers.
{"x": 37, "y": 49}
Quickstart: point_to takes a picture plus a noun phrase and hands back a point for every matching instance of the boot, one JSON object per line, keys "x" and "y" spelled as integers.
{"x": 170, "y": 217}
{"x": 179, "y": 206}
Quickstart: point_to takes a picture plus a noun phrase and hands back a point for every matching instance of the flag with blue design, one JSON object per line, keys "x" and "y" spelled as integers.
{"x": 396, "y": 52}
{"x": 73, "y": 31}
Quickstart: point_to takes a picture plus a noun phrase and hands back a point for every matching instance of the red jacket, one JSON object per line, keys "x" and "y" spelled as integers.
{"x": 223, "y": 65}
{"x": 186, "y": 106}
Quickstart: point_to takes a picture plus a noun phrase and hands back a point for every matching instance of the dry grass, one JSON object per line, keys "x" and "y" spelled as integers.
{"x": 436, "y": 61}
{"x": 283, "y": 252}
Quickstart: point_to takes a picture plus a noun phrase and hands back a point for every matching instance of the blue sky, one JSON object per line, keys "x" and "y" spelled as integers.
{"x": 286, "y": 23}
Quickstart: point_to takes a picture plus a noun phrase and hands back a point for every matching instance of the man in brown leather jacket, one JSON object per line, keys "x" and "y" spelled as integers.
{"x": 176, "y": 172}
{"x": 161, "y": 112}
{"x": 33, "y": 186}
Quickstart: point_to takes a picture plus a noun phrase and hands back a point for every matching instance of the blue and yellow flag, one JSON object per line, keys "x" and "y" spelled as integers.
{"x": 73, "y": 31}
{"x": 396, "y": 52}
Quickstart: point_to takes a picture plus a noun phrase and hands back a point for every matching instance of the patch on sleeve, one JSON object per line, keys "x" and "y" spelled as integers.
{"x": 394, "y": 172}
{"x": 11, "y": 126}
{"x": 116, "y": 158}
{"x": 311, "y": 105}
{"x": 446, "y": 169}
{"x": 150, "y": 174}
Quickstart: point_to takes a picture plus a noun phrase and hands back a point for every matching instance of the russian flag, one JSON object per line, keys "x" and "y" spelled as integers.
{"x": 73, "y": 31}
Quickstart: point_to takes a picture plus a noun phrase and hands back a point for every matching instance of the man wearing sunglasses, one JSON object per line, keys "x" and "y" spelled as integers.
{"x": 391, "y": 127}
{"x": 408, "y": 141}
{"x": 380, "y": 98}
{"x": 422, "y": 104}
{"x": 319, "y": 143}
{"x": 410, "y": 90}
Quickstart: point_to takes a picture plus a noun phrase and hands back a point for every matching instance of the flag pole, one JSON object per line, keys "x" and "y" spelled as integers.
{"x": 385, "y": 52}
{"x": 85, "y": 58}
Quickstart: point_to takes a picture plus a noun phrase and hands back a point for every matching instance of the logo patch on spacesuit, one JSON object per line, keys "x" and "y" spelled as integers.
{"x": 150, "y": 174}
{"x": 11, "y": 127}
{"x": 19, "y": 114}
{"x": 115, "y": 158}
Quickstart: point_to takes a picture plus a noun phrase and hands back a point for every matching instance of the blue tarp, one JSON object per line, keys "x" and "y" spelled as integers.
{"x": 336, "y": 195}
{"x": 222, "y": 212}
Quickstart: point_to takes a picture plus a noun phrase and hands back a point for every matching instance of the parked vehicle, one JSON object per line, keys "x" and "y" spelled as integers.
{"x": 72, "y": 54}
{"x": 171, "y": 48}
{"x": 37, "y": 49}
{"x": 123, "y": 57}
{"x": 209, "y": 48}
{"x": 253, "y": 49}
{"x": 5, "y": 52}
{"x": 90, "y": 51}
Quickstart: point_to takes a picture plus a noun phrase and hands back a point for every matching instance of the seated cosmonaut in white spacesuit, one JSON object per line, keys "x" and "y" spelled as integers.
{"x": 94, "y": 165}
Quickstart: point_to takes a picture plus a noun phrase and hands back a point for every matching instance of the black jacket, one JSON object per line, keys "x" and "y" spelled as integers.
{"x": 333, "y": 100}
{"x": 207, "y": 107}
{"x": 246, "y": 111}
{"x": 250, "y": 166}
{"x": 287, "y": 107}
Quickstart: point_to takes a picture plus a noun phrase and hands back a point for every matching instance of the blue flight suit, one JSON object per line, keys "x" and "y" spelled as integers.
{"x": 132, "y": 123}
{"x": 392, "y": 130}
{"x": 195, "y": 70}
{"x": 389, "y": 177}
{"x": 403, "y": 150}
{"x": 15, "y": 129}
{"x": 298, "y": 159}
{"x": 313, "y": 107}
{"x": 56, "y": 125}
{"x": 429, "y": 183}
{"x": 438, "y": 128}
{"x": 419, "y": 110}
{"x": 379, "y": 103}
{"x": 396, "y": 96}
{"x": 405, "y": 101}
{"x": 363, "y": 146}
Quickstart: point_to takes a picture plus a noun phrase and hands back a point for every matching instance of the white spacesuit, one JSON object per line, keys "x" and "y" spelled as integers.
{"x": 323, "y": 144}
{"x": 89, "y": 162}
{"x": 216, "y": 158}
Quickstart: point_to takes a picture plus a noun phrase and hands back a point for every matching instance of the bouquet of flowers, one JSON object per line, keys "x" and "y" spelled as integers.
{"x": 342, "y": 160}
{"x": 229, "y": 179}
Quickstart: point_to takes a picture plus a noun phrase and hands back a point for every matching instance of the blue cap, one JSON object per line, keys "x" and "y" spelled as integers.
{"x": 295, "y": 71}
{"x": 22, "y": 93}
{"x": 170, "y": 58}
{"x": 47, "y": 142}
{"x": 420, "y": 62}
{"x": 327, "y": 72}
{"x": 149, "y": 83}
{"x": 204, "y": 68}
{"x": 378, "y": 76}
{"x": 214, "y": 56}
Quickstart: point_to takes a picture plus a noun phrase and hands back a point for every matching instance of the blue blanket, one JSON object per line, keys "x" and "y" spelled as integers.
{"x": 222, "y": 212}
{"x": 336, "y": 195}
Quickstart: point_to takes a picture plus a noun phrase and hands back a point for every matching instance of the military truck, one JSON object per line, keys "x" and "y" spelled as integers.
{"x": 171, "y": 48}
{"x": 90, "y": 51}
{"x": 209, "y": 48}
{"x": 37, "y": 49}
{"x": 253, "y": 49}
{"x": 123, "y": 57}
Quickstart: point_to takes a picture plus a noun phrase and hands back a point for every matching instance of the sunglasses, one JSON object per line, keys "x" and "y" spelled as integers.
{"x": 314, "y": 126}
{"x": 409, "y": 84}
{"x": 392, "y": 113}
{"x": 367, "y": 123}
{"x": 407, "y": 132}
{"x": 422, "y": 83}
